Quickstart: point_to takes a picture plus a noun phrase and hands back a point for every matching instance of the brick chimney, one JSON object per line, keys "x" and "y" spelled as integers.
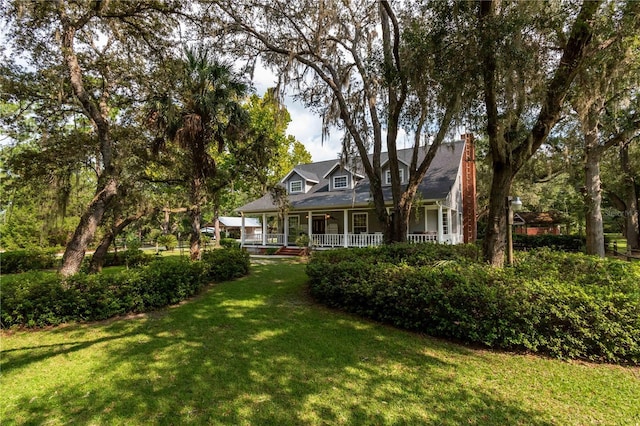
{"x": 469, "y": 217}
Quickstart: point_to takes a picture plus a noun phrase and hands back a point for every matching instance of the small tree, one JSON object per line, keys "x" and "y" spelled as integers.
{"x": 201, "y": 114}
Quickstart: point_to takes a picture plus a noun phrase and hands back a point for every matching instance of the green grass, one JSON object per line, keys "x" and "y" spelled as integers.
{"x": 619, "y": 239}
{"x": 258, "y": 351}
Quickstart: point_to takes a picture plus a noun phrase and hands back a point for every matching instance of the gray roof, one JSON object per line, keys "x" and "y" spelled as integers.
{"x": 436, "y": 184}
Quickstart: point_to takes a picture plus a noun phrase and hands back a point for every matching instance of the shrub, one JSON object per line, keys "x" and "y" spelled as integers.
{"x": 31, "y": 300}
{"x": 568, "y": 243}
{"x": 229, "y": 243}
{"x": 12, "y": 262}
{"x": 170, "y": 280}
{"x": 169, "y": 241}
{"x": 37, "y": 299}
{"x": 130, "y": 258}
{"x": 303, "y": 240}
{"x": 133, "y": 242}
{"x": 563, "y": 305}
{"x": 226, "y": 264}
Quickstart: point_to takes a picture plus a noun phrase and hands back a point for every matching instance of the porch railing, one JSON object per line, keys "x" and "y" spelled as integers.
{"x": 272, "y": 240}
{"x": 365, "y": 240}
{"x": 328, "y": 240}
{"x": 422, "y": 238}
{"x": 337, "y": 240}
{"x": 275, "y": 239}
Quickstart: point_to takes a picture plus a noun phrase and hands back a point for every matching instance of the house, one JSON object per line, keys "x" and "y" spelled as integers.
{"x": 532, "y": 223}
{"x": 232, "y": 226}
{"x": 331, "y": 203}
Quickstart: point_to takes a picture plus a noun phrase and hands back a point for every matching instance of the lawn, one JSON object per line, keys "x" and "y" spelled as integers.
{"x": 258, "y": 351}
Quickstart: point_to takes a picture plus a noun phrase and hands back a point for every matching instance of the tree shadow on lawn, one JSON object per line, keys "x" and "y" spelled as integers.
{"x": 258, "y": 351}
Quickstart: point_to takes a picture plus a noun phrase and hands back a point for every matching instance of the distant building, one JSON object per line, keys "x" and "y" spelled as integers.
{"x": 531, "y": 223}
{"x": 232, "y": 227}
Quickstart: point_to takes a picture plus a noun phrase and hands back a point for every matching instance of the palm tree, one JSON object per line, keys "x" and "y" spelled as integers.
{"x": 201, "y": 115}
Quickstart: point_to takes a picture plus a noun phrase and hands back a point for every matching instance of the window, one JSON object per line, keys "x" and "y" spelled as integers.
{"x": 360, "y": 223}
{"x": 445, "y": 222}
{"x": 340, "y": 182}
{"x": 295, "y": 186}
{"x": 388, "y": 176}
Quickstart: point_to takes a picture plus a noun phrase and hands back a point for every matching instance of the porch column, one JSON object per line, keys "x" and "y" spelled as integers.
{"x": 310, "y": 224}
{"x": 346, "y": 228}
{"x": 426, "y": 223}
{"x": 286, "y": 229}
{"x": 440, "y": 224}
{"x": 264, "y": 229}
{"x": 242, "y": 231}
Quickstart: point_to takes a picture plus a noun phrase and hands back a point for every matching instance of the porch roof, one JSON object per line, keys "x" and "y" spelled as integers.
{"x": 435, "y": 186}
{"x": 236, "y": 222}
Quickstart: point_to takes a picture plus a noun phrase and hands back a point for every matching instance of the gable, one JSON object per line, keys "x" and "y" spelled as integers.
{"x": 386, "y": 173}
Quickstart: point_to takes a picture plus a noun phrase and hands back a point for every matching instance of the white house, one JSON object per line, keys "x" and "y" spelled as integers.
{"x": 332, "y": 204}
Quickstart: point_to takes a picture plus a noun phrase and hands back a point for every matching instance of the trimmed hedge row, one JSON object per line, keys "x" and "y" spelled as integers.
{"x": 37, "y": 299}
{"x": 558, "y": 304}
{"x": 131, "y": 258}
{"x": 570, "y": 243}
{"x": 13, "y": 262}
{"x": 17, "y": 261}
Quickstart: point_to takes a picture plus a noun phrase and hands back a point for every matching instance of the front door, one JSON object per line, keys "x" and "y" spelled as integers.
{"x": 318, "y": 225}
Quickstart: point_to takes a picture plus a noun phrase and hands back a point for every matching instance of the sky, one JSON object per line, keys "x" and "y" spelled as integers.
{"x": 305, "y": 126}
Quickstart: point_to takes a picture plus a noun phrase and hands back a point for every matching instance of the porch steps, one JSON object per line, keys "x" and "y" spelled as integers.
{"x": 291, "y": 251}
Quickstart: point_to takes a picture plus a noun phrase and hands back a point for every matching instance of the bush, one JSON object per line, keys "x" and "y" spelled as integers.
{"x": 563, "y": 305}
{"x": 131, "y": 258}
{"x": 169, "y": 241}
{"x": 37, "y": 299}
{"x": 12, "y": 262}
{"x": 226, "y": 264}
{"x": 568, "y": 243}
{"x": 303, "y": 240}
{"x": 229, "y": 243}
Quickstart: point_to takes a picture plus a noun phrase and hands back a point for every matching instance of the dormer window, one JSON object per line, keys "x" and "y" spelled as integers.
{"x": 340, "y": 182}
{"x": 295, "y": 186}
{"x": 388, "y": 176}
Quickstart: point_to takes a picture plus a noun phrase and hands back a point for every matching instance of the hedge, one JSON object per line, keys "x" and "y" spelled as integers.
{"x": 558, "y": 304}
{"x": 37, "y": 299}
{"x": 130, "y": 258}
{"x": 568, "y": 243}
{"x": 12, "y": 262}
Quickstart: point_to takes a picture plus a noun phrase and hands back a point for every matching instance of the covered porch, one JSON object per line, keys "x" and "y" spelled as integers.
{"x": 356, "y": 227}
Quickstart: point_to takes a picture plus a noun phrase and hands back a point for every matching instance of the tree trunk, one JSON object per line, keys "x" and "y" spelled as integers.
{"x": 97, "y": 260}
{"x": 631, "y": 215}
{"x": 494, "y": 245}
{"x": 396, "y": 229}
{"x": 216, "y": 235}
{"x": 195, "y": 214}
{"x": 593, "y": 198}
{"x": 194, "y": 248}
{"x": 84, "y": 233}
